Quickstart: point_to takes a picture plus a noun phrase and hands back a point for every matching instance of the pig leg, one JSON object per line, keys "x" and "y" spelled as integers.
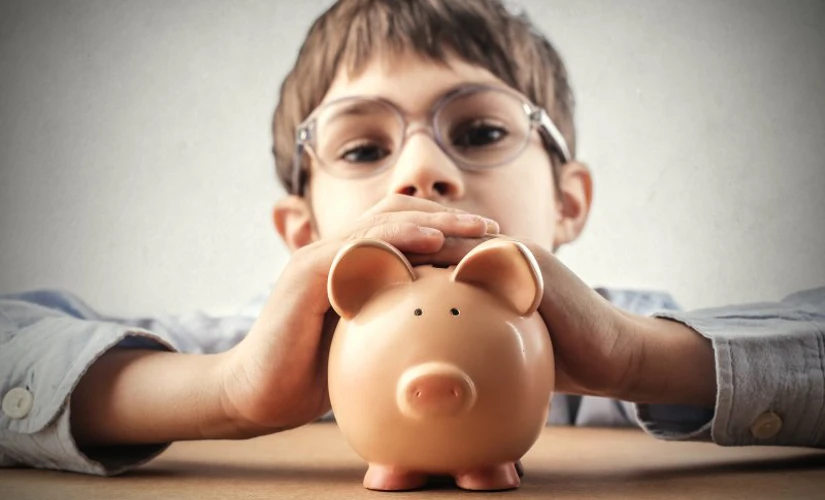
{"x": 495, "y": 477}
{"x": 389, "y": 478}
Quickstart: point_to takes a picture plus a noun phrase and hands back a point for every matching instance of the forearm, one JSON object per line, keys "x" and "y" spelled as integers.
{"x": 676, "y": 366}
{"x": 140, "y": 397}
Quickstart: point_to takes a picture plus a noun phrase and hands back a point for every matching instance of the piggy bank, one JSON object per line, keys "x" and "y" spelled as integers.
{"x": 439, "y": 371}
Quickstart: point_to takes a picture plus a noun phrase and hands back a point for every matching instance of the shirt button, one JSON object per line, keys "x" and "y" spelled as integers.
{"x": 766, "y": 425}
{"x": 17, "y": 403}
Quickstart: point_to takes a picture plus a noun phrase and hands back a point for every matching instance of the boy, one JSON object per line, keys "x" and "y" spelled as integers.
{"x": 432, "y": 125}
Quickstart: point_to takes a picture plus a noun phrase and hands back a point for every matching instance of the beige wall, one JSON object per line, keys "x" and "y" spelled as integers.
{"x": 134, "y": 165}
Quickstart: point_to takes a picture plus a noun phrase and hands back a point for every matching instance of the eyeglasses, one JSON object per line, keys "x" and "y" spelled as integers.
{"x": 478, "y": 127}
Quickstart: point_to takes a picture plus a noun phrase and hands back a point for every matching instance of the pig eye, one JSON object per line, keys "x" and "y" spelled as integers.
{"x": 454, "y": 311}
{"x": 418, "y": 312}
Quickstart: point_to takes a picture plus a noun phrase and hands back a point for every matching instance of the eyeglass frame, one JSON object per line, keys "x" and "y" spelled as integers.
{"x": 537, "y": 116}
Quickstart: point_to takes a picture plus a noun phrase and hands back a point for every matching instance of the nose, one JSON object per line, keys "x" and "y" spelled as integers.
{"x": 425, "y": 171}
{"x": 434, "y": 390}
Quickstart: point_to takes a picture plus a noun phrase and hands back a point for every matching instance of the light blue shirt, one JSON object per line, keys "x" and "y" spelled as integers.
{"x": 770, "y": 365}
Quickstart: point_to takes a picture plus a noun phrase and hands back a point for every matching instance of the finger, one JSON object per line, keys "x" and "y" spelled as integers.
{"x": 451, "y": 252}
{"x": 304, "y": 280}
{"x": 407, "y": 237}
{"x": 451, "y": 224}
{"x": 399, "y": 202}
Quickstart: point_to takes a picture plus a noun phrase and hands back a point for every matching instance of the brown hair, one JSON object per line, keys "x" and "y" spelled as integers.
{"x": 481, "y": 32}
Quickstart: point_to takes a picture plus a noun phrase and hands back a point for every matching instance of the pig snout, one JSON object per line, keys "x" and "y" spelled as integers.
{"x": 435, "y": 390}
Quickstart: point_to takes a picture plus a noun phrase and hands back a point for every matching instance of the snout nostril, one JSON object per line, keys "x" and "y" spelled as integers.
{"x": 441, "y": 188}
{"x": 408, "y": 191}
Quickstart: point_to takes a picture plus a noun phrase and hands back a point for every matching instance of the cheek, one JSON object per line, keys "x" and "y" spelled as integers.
{"x": 522, "y": 198}
{"x": 337, "y": 203}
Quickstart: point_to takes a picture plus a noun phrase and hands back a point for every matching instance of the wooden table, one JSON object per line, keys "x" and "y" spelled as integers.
{"x": 315, "y": 462}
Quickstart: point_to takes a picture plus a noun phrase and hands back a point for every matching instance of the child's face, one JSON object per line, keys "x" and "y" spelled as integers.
{"x": 520, "y": 194}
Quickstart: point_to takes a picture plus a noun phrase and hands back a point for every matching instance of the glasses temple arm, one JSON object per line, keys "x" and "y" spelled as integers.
{"x": 554, "y": 133}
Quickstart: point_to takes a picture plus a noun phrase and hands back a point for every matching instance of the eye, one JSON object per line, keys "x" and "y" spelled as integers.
{"x": 418, "y": 312}
{"x": 454, "y": 311}
{"x": 364, "y": 152}
{"x": 477, "y": 133}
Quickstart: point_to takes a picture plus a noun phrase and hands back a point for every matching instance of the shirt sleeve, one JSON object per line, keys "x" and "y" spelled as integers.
{"x": 770, "y": 371}
{"x": 48, "y": 340}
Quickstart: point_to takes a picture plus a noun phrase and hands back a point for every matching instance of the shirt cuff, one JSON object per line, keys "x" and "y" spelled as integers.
{"x": 49, "y": 358}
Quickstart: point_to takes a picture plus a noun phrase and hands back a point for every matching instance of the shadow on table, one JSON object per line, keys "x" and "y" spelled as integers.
{"x": 809, "y": 461}
{"x": 179, "y": 469}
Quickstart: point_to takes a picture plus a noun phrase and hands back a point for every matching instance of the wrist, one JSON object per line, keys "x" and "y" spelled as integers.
{"x": 218, "y": 418}
{"x": 235, "y": 398}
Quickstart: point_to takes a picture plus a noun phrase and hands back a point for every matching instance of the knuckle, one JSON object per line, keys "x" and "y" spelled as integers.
{"x": 444, "y": 219}
{"x": 448, "y": 217}
{"x": 390, "y": 232}
{"x": 402, "y": 232}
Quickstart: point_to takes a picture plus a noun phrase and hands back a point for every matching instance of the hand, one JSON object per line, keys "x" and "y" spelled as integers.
{"x": 602, "y": 350}
{"x": 276, "y": 378}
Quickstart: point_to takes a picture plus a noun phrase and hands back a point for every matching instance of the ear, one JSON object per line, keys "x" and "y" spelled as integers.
{"x": 573, "y": 206}
{"x": 293, "y": 221}
{"x": 362, "y": 269}
{"x": 505, "y": 268}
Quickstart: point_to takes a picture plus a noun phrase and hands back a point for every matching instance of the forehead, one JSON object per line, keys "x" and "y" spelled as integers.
{"x": 411, "y": 81}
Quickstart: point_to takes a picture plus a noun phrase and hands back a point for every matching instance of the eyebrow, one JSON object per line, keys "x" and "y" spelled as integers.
{"x": 358, "y": 106}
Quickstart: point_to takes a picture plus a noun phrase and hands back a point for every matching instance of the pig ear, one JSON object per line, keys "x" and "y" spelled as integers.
{"x": 360, "y": 270}
{"x": 505, "y": 268}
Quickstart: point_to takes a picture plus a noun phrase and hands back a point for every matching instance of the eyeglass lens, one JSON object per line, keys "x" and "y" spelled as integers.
{"x": 478, "y": 129}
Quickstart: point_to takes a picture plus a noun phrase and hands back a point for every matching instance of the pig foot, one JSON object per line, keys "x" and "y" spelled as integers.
{"x": 496, "y": 477}
{"x": 389, "y": 478}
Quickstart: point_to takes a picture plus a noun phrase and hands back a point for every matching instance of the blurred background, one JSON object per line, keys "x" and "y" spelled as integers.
{"x": 135, "y": 168}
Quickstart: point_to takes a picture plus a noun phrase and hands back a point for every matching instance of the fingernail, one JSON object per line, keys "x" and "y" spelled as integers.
{"x": 492, "y": 226}
{"x": 430, "y": 232}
